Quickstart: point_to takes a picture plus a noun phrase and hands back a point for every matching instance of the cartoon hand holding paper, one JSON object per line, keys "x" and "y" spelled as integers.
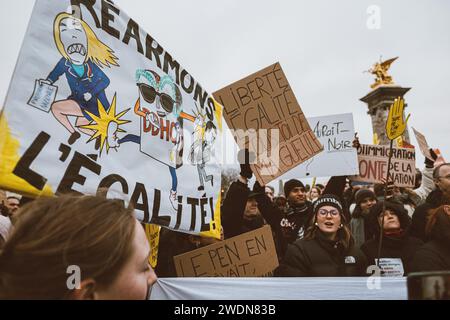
{"x": 395, "y": 124}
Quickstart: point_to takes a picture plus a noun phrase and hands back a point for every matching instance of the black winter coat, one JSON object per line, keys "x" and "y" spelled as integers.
{"x": 320, "y": 257}
{"x": 435, "y": 254}
{"x": 403, "y": 248}
{"x": 288, "y": 225}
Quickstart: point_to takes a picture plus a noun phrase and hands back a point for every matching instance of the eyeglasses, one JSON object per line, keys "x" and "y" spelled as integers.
{"x": 325, "y": 213}
{"x": 149, "y": 94}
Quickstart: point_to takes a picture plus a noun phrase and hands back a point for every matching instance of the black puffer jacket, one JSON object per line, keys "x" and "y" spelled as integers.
{"x": 320, "y": 257}
{"x": 403, "y": 247}
{"x": 419, "y": 218}
{"x": 400, "y": 246}
{"x": 435, "y": 254}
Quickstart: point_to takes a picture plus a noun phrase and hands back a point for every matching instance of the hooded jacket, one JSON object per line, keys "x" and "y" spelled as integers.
{"x": 233, "y": 208}
{"x": 320, "y": 257}
{"x": 400, "y": 245}
{"x": 435, "y": 254}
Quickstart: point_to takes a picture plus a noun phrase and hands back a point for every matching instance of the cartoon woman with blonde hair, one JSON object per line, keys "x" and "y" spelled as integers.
{"x": 82, "y": 56}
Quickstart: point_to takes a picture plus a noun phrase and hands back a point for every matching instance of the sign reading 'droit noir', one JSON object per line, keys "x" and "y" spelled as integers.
{"x": 263, "y": 109}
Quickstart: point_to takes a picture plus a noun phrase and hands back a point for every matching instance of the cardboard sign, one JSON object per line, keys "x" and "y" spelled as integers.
{"x": 336, "y": 133}
{"x": 373, "y": 162}
{"x": 264, "y": 104}
{"x": 423, "y": 144}
{"x": 251, "y": 254}
{"x": 96, "y": 103}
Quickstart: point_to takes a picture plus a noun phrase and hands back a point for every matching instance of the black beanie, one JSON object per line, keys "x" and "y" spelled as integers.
{"x": 363, "y": 194}
{"x": 328, "y": 200}
{"x": 291, "y": 184}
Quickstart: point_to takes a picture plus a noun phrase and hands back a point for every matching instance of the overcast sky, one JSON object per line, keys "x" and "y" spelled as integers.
{"x": 323, "y": 47}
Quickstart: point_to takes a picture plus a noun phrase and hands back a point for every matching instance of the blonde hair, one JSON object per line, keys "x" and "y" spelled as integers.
{"x": 97, "y": 51}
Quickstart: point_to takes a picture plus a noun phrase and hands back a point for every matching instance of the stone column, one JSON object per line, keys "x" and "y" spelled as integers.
{"x": 378, "y": 102}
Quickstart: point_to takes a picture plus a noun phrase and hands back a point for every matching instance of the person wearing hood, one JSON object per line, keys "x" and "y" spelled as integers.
{"x": 435, "y": 254}
{"x": 398, "y": 248}
{"x": 327, "y": 250}
{"x": 240, "y": 212}
{"x": 436, "y": 198}
{"x": 365, "y": 199}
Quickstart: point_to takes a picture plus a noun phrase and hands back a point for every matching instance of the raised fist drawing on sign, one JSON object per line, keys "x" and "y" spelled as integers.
{"x": 395, "y": 124}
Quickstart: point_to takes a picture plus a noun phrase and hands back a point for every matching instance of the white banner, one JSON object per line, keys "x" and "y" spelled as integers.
{"x": 336, "y": 133}
{"x": 314, "y": 288}
{"x": 96, "y": 103}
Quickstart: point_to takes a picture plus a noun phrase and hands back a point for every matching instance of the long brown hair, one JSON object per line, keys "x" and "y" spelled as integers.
{"x": 432, "y": 217}
{"x": 93, "y": 233}
{"x": 344, "y": 235}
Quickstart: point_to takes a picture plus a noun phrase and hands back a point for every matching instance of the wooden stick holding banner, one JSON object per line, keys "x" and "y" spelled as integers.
{"x": 395, "y": 127}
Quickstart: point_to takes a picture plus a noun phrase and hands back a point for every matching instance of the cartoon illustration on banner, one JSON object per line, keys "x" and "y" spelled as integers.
{"x": 174, "y": 123}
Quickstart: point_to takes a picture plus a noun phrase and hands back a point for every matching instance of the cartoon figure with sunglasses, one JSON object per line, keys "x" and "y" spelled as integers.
{"x": 160, "y": 108}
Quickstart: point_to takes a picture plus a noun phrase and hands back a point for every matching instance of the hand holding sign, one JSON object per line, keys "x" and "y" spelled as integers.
{"x": 395, "y": 125}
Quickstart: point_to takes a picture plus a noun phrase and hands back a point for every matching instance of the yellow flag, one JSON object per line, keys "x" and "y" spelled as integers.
{"x": 376, "y": 141}
{"x": 399, "y": 142}
{"x": 152, "y": 233}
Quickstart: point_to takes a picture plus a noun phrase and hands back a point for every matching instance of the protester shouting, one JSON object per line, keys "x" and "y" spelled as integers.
{"x": 327, "y": 250}
{"x": 58, "y": 241}
{"x": 398, "y": 248}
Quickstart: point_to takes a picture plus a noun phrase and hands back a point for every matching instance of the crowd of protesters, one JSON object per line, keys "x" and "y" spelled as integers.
{"x": 339, "y": 229}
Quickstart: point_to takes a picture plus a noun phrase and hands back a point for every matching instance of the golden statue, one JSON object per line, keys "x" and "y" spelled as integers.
{"x": 380, "y": 69}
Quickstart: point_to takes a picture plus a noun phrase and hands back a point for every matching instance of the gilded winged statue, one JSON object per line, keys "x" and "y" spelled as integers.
{"x": 380, "y": 69}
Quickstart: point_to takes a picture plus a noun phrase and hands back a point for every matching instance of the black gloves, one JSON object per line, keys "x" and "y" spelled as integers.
{"x": 258, "y": 188}
{"x": 429, "y": 163}
{"x": 244, "y": 161}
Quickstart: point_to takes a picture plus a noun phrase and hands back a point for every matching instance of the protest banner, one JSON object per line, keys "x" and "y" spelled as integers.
{"x": 423, "y": 144}
{"x": 262, "y": 105}
{"x": 96, "y": 103}
{"x": 373, "y": 165}
{"x": 336, "y": 133}
{"x": 251, "y": 254}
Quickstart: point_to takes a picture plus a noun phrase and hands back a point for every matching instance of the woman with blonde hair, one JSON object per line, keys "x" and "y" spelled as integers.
{"x": 82, "y": 56}
{"x": 327, "y": 250}
{"x": 74, "y": 247}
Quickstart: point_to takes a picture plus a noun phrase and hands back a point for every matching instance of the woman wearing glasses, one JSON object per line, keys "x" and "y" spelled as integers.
{"x": 327, "y": 250}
